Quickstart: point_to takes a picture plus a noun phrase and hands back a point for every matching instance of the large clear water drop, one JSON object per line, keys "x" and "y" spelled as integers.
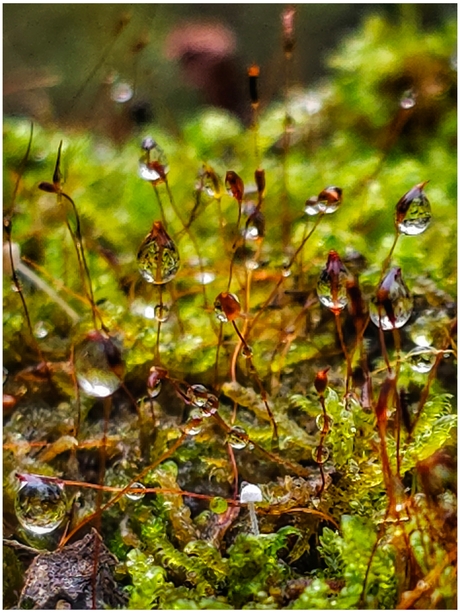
{"x": 331, "y": 286}
{"x": 40, "y": 503}
{"x": 413, "y": 211}
{"x": 158, "y": 259}
{"x": 98, "y": 365}
{"x": 421, "y": 359}
{"x": 392, "y": 305}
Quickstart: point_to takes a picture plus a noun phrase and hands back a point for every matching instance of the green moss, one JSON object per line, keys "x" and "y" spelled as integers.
{"x": 179, "y": 551}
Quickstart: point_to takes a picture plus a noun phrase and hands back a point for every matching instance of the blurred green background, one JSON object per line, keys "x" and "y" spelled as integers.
{"x": 59, "y": 57}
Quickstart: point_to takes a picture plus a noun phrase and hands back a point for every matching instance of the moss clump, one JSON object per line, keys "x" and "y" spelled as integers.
{"x": 369, "y": 525}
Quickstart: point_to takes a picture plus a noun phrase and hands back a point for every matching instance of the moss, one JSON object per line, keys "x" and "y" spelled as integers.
{"x": 343, "y": 535}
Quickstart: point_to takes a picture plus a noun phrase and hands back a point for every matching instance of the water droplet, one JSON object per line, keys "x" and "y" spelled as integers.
{"x": 251, "y": 264}
{"x": 153, "y": 166}
{"x": 158, "y": 259}
{"x": 247, "y": 352}
{"x": 211, "y": 183}
{"x": 429, "y": 328}
{"x": 202, "y": 398}
{"x": 255, "y": 226}
{"x": 316, "y": 502}
{"x": 392, "y": 305}
{"x": 98, "y": 365}
{"x": 227, "y": 307}
{"x": 42, "y": 329}
{"x": 286, "y": 271}
{"x": 121, "y": 92}
{"x": 237, "y": 438}
{"x": 154, "y": 381}
{"x": 320, "y": 454}
{"x": 421, "y": 359}
{"x": 132, "y": 494}
{"x": 218, "y": 505}
{"x": 320, "y": 422}
{"x": 328, "y": 201}
{"x": 312, "y": 206}
{"x": 148, "y": 143}
{"x": 413, "y": 211}
{"x": 408, "y": 101}
{"x": 195, "y": 422}
{"x": 331, "y": 287}
{"x": 423, "y": 585}
{"x": 40, "y": 503}
{"x": 161, "y": 313}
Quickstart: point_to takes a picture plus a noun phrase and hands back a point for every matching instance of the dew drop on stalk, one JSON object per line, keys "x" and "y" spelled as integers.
{"x": 392, "y": 305}
{"x": 153, "y": 165}
{"x": 255, "y": 225}
{"x": 421, "y": 359}
{"x": 328, "y": 201}
{"x": 161, "y": 313}
{"x": 286, "y": 271}
{"x": 331, "y": 286}
{"x": 321, "y": 422}
{"x": 132, "y": 494}
{"x": 227, "y": 307}
{"x": 98, "y": 365}
{"x": 158, "y": 259}
{"x": 154, "y": 381}
{"x": 218, "y": 505}
{"x": 316, "y": 502}
{"x": 413, "y": 211}
{"x": 320, "y": 454}
{"x": 40, "y": 503}
{"x": 408, "y": 101}
{"x": 247, "y": 352}
{"x": 237, "y": 438}
{"x": 203, "y": 399}
{"x": 194, "y": 424}
{"x": 42, "y": 329}
{"x": 211, "y": 183}
{"x": 121, "y": 92}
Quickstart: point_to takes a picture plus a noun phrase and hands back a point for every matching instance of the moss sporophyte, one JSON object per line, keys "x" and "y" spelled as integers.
{"x": 221, "y": 391}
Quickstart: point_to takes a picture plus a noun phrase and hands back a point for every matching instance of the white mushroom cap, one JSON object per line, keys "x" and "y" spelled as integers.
{"x": 250, "y": 493}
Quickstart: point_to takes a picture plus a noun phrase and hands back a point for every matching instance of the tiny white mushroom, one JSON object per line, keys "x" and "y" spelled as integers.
{"x": 250, "y": 494}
